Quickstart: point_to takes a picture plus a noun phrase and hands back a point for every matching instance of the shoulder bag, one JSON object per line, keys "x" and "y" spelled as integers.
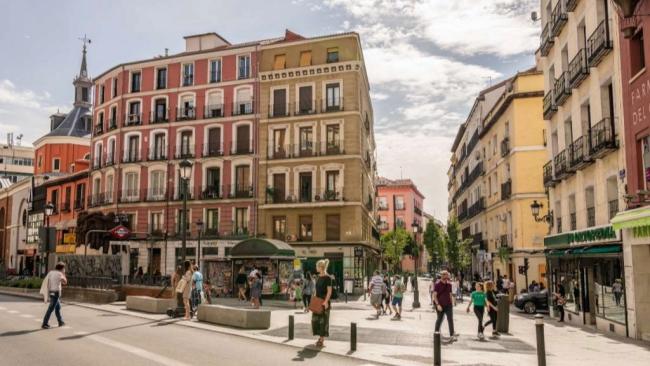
{"x": 316, "y": 305}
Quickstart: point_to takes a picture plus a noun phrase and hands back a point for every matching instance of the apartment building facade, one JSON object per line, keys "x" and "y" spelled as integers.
{"x": 317, "y": 152}
{"x": 16, "y": 162}
{"x": 579, "y": 57}
{"x": 399, "y": 204}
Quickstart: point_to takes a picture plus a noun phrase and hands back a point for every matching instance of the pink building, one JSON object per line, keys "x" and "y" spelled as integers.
{"x": 400, "y": 204}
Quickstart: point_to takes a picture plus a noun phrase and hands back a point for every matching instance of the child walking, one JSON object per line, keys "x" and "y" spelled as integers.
{"x": 478, "y": 299}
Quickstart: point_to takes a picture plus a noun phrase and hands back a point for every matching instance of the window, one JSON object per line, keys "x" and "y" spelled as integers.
{"x": 305, "y": 58}
{"x": 114, "y": 87}
{"x": 161, "y": 78}
{"x": 110, "y": 156}
{"x": 180, "y": 218}
{"x": 215, "y": 71}
{"x": 399, "y": 222}
{"x": 333, "y": 95}
{"x": 54, "y": 199}
{"x": 306, "y": 137}
{"x": 187, "y": 110}
{"x": 214, "y": 142}
{"x": 280, "y": 62}
{"x": 109, "y": 189}
{"x": 305, "y": 100}
{"x": 84, "y": 94}
{"x": 24, "y": 218}
{"x": 133, "y": 149}
{"x": 279, "y": 227}
{"x": 383, "y": 203}
{"x": 241, "y": 220}
{"x": 101, "y": 94}
{"x": 113, "y": 121}
{"x": 399, "y": 203}
{"x": 244, "y": 66}
{"x": 157, "y": 185}
{"x": 305, "y": 183}
{"x": 56, "y": 164}
{"x": 135, "y": 82}
{"x": 211, "y": 221}
{"x": 243, "y": 143}
{"x": 242, "y": 181}
{"x": 212, "y": 182}
{"x": 305, "y": 228}
{"x": 331, "y": 181}
{"x": 279, "y": 141}
{"x": 131, "y": 187}
{"x": 68, "y": 197}
{"x": 187, "y": 150}
{"x": 244, "y": 101}
{"x": 80, "y": 197}
{"x": 134, "y": 114}
{"x": 333, "y": 230}
{"x": 156, "y": 222}
{"x": 160, "y": 111}
{"x": 637, "y": 53}
{"x": 188, "y": 74}
{"x": 279, "y": 102}
{"x": 40, "y": 161}
{"x": 214, "y": 108}
{"x": 332, "y": 55}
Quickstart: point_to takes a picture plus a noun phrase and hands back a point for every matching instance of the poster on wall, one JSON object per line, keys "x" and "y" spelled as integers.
{"x": 220, "y": 274}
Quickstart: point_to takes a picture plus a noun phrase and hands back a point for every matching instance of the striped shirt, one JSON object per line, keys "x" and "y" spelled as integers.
{"x": 377, "y": 284}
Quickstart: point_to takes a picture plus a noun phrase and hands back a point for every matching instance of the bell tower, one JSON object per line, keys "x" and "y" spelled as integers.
{"x": 82, "y": 83}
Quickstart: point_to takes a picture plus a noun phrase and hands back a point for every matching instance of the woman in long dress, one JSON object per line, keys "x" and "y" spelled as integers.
{"x": 320, "y": 323}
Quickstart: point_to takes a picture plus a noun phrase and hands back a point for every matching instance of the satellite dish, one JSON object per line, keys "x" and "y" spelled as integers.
{"x": 533, "y": 16}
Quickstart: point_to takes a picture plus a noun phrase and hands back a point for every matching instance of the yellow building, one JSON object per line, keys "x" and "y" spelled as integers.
{"x": 494, "y": 178}
{"x": 317, "y": 152}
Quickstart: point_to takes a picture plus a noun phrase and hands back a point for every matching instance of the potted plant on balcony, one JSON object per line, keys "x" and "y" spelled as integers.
{"x": 270, "y": 193}
{"x": 330, "y": 195}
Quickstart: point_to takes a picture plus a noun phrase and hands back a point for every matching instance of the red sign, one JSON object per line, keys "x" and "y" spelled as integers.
{"x": 120, "y": 232}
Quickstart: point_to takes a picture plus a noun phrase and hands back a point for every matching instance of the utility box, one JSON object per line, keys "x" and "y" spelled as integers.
{"x": 503, "y": 314}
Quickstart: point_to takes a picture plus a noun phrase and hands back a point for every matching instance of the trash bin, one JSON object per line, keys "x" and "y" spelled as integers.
{"x": 503, "y": 315}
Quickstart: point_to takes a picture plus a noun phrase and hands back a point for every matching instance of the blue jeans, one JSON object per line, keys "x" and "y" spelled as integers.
{"x": 55, "y": 305}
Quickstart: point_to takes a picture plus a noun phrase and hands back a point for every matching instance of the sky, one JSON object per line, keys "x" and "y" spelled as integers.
{"x": 426, "y": 59}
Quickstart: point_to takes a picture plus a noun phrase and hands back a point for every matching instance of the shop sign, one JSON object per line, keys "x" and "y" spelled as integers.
{"x": 120, "y": 232}
{"x": 296, "y": 264}
{"x": 641, "y": 231}
{"x": 600, "y": 234}
{"x": 66, "y": 248}
{"x": 70, "y": 238}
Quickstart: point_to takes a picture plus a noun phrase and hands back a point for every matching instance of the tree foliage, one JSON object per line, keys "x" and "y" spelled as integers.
{"x": 434, "y": 239}
{"x": 458, "y": 250}
{"x": 392, "y": 245}
{"x": 94, "y": 221}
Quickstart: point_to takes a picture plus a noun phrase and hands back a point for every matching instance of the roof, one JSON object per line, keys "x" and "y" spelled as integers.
{"x": 385, "y": 182}
{"x": 5, "y": 182}
{"x": 73, "y": 124}
{"x": 262, "y": 248}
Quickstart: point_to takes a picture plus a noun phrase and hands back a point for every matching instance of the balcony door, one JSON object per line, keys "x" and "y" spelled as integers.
{"x": 280, "y": 102}
{"x": 305, "y": 180}
{"x": 306, "y": 136}
{"x": 305, "y": 99}
{"x": 242, "y": 180}
{"x": 186, "y": 147}
{"x": 279, "y": 192}
{"x": 279, "y": 140}
{"x": 213, "y": 182}
{"x": 134, "y": 144}
{"x": 161, "y": 110}
{"x": 333, "y": 94}
{"x": 214, "y": 141}
{"x": 243, "y": 139}
{"x": 157, "y": 184}
{"x": 333, "y": 139}
{"x": 159, "y": 146}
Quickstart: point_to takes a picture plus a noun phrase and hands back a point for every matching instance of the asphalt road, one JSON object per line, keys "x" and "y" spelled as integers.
{"x": 98, "y": 338}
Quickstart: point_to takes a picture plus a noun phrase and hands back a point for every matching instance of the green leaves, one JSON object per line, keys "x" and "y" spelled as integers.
{"x": 392, "y": 245}
{"x": 434, "y": 240}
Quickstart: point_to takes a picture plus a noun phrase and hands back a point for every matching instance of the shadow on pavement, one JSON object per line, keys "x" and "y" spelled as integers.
{"x": 19, "y": 332}
{"x": 79, "y": 336}
{"x": 308, "y": 352}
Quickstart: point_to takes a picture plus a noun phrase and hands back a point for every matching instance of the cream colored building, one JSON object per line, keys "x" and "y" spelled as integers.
{"x": 317, "y": 152}
{"x": 582, "y": 108}
{"x": 16, "y": 162}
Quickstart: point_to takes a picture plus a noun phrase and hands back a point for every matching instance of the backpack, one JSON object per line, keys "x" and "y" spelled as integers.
{"x": 335, "y": 291}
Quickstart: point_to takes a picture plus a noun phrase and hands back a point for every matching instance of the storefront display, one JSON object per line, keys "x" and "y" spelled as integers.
{"x": 273, "y": 258}
{"x": 220, "y": 275}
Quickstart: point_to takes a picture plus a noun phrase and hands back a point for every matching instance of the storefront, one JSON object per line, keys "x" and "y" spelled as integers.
{"x": 589, "y": 265}
{"x": 635, "y": 225}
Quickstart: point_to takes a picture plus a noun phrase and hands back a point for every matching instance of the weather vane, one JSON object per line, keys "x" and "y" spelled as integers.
{"x": 85, "y": 40}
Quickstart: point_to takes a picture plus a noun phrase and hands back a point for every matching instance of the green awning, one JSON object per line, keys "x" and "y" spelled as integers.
{"x": 603, "y": 249}
{"x": 632, "y": 218}
{"x": 262, "y": 248}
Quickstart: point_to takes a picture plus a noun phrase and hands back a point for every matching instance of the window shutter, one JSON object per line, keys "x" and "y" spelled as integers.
{"x": 333, "y": 231}
{"x": 305, "y": 58}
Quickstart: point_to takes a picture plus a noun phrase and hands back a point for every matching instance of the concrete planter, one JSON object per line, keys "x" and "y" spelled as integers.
{"x": 235, "y": 317}
{"x": 149, "y": 304}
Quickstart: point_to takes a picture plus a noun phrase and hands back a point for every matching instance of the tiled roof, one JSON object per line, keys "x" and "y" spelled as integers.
{"x": 73, "y": 124}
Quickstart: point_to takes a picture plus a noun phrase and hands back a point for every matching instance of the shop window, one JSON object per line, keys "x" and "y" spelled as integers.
{"x": 637, "y": 53}
{"x": 609, "y": 290}
{"x": 645, "y": 174}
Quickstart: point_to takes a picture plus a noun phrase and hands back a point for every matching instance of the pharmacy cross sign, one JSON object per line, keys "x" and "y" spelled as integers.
{"x": 120, "y": 232}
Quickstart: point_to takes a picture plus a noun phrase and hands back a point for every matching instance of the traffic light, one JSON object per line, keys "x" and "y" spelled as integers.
{"x": 522, "y": 270}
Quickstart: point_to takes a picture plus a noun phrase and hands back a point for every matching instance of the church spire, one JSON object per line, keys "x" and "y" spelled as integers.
{"x": 82, "y": 83}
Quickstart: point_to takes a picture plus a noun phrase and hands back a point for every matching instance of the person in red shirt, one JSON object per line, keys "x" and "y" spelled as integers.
{"x": 443, "y": 302}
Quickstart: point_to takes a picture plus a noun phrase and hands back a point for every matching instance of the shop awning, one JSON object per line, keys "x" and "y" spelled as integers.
{"x": 262, "y": 248}
{"x": 585, "y": 251}
{"x": 632, "y": 218}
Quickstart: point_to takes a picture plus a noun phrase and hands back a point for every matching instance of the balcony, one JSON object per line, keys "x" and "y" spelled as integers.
{"x": 279, "y": 110}
{"x": 332, "y": 105}
{"x": 214, "y": 111}
{"x": 471, "y": 144}
{"x": 559, "y": 17}
{"x": 128, "y": 195}
{"x": 241, "y": 149}
{"x": 417, "y": 211}
{"x": 133, "y": 120}
{"x": 157, "y": 194}
{"x": 112, "y": 124}
{"x": 213, "y": 192}
{"x": 242, "y": 108}
{"x": 241, "y": 191}
{"x": 505, "y": 147}
{"x": 613, "y": 208}
{"x": 548, "y": 174}
{"x": 578, "y": 68}
{"x": 599, "y": 44}
{"x": 506, "y": 190}
{"x": 185, "y": 114}
{"x": 97, "y": 200}
{"x": 159, "y": 116}
{"x": 571, "y": 5}
{"x": 185, "y": 152}
{"x": 603, "y": 138}
{"x": 476, "y": 208}
{"x": 306, "y": 149}
{"x": 578, "y": 156}
{"x": 504, "y": 241}
{"x": 591, "y": 216}
{"x": 157, "y": 155}
{"x": 131, "y": 156}
{"x": 211, "y": 150}
{"x": 305, "y": 107}
{"x": 99, "y": 129}
{"x": 462, "y": 215}
{"x": 549, "y": 105}
{"x": 573, "y": 223}
{"x": 546, "y": 40}
{"x": 560, "y": 165}
{"x": 562, "y": 89}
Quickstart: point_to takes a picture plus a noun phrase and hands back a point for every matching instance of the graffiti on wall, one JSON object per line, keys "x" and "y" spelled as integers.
{"x": 92, "y": 265}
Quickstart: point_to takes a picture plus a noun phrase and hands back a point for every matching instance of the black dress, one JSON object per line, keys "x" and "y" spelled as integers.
{"x": 320, "y": 323}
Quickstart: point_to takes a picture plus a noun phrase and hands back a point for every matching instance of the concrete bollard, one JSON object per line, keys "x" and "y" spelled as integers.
{"x": 437, "y": 358}
{"x": 291, "y": 327}
{"x": 353, "y": 337}
{"x": 541, "y": 347}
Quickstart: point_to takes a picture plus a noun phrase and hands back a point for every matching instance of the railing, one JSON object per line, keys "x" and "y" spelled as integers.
{"x": 476, "y": 208}
{"x": 212, "y": 192}
{"x": 242, "y": 191}
{"x": 128, "y": 195}
{"x": 382, "y": 207}
{"x": 97, "y": 199}
{"x": 302, "y": 108}
{"x": 506, "y": 190}
{"x": 591, "y": 216}
{"x": 80, "y": 204}
{"x": 110, "y": 160}
{"x": 211, "y": 150}
{"x": 103, "y": 283}
{"x": 573, "y": 223}
{"x": 546, "y": 40}
{"x": 131, "y": 156}
{"x": 214, "y": 111}
{"x": 184, "y": 152}
{"x": 315, "y": 194}
{"x": 65, "y": 206}
{"x": 549, "y": 105}
{"x": 237, "y": 149}
{"x": 156, "y": 117}
{"x": 505, "y": 146}
{"x": 504, "y": 241}
{"x": 571, "y": 5}
{"x": 577, "y": 155}
{"x": 185, "y": 114}
{"x": 97, "y": 163}
{"x": 462, "y": 215}
{"x": 559, "y": 17}
{"x": 242, "y": 108}
{"x": 417, "y": 210}
{"x": 178, "y": 193}
{"x": 157, "y": 155}
{"x": 599, "y": 44}
{"x": 560, "y": 164}
{"x": 562, "y": 89}
{"x": 578, "y": 68}
{"x": 99, "y": 129}
{"x": 602, "y": 137}
{"x": 133, "y": 120}
{"x": 156, "y": 194}
{"x": 471, "y": 144}
{"x": 188, "y": 80}
{"x": 613, "y": 208}
{"x": 112, "y": 124}
{"x": 548, "y": 173}
{"x": 279, "y": 110}
{"x": 331, "y": 105}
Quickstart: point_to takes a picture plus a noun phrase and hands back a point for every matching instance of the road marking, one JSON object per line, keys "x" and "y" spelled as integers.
{"x": 136, "y": 351}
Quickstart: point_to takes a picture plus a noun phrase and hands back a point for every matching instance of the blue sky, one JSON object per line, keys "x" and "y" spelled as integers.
{"x": 426, "y": 59}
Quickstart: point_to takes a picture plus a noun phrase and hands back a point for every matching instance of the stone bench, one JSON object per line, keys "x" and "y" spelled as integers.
{"x": 149, "y": 304}
{"x": 235, "y": 317}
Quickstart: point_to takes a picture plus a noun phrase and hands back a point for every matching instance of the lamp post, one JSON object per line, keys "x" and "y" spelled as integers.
{"x": 416, "y": 292}
{"x": 199, "y": 227}
{"x": 186, "y": 172}
{"x": 535, "y": 207}
{"x": 49, "y": 210}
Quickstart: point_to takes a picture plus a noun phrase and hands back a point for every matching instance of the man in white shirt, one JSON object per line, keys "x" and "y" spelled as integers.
{"x": 53, "y": 282}
{"x": 376, "y": 289}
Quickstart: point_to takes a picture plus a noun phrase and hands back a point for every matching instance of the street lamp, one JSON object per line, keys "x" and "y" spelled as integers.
{"x": 186, "y": 172}
{"x": 199, "y": 227}
{"x": 49, "y": 210}
{"x": 416, "y": 292}
{"x": 535, "y": 208}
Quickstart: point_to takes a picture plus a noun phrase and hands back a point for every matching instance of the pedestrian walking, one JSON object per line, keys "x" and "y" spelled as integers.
{"x": 51, "y": 290}
{"x": 197, "y": 287}
{"x": 241, "y": 281}
{"x": 478, "y": 299}
{"x": 320, "y": 303}
{"x": 307, "y": 291}
{"x": 491, "y": 303}
{"x": 617, "y": 289}
{"x": 560, "y": 300}
{"x": 184, "y": 287}
{"x": 387, "y": 295}
{"x": 398, "y": 294}
{"x": 443, "y": 301}
{"x": 376, "y": 290}
{"x": 256, "y": 290}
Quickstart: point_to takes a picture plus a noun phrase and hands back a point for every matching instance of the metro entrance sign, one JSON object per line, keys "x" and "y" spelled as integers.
{"x": 120, "y": 232}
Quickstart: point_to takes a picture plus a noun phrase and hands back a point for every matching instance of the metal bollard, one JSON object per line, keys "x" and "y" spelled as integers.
{"x": 353, "y": 337}
{"x": 541, "y": 347}
{"x": 437, "y": 359}
{"x": 291, "y": 327}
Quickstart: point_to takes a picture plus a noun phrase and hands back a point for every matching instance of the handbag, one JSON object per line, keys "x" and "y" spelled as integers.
{"x": 316, "y": 305}
{"x": 180, "y": 287}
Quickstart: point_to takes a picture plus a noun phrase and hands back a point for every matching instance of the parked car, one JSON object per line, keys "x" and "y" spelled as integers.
{"x": 531, "y": 302}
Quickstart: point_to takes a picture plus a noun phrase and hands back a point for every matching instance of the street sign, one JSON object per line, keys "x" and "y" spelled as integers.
{"x": 120, "y": 232}
{"x": 69, "y": 238}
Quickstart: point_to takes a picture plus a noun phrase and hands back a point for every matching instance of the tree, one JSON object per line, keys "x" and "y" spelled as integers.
{"x": 434, "y": 242}
{"x": 392, "y": 245}
{"x": 458, "y": 250}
